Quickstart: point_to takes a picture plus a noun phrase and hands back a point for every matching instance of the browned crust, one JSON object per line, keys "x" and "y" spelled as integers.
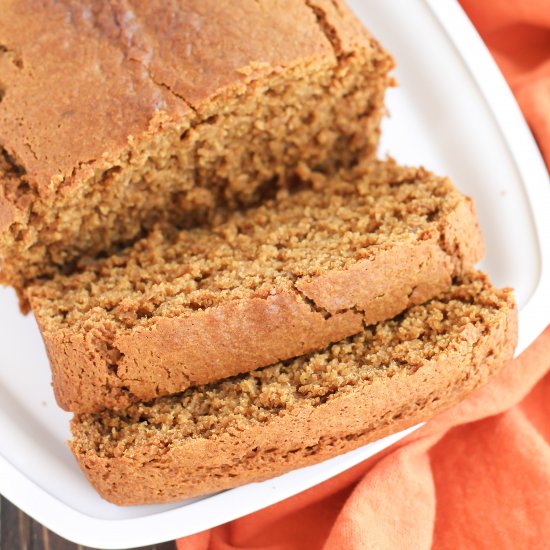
{"x": 175, "y": 353}
{"x": 343, "y": 30}
{"x": 406, "y": 275}
{"x": 181, "y": 352}
{"x": 308, "y": 435}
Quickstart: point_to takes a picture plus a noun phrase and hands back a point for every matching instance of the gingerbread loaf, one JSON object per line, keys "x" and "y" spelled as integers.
{"x": 304, "y": 269}
{"x": 300, "y": 412}
{"x": 115, "y": 116}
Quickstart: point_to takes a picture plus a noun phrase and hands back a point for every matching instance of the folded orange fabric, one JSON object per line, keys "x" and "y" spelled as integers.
{"x": 478, "y": 475}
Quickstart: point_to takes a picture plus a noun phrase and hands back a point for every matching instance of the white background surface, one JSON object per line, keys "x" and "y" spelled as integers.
{"x": 454, "y": 114}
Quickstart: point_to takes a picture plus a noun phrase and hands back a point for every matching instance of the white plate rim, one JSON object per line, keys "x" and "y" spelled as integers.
{"x": 522, "y": 146}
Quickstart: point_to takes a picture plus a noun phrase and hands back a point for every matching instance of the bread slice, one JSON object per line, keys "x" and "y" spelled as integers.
{"x": 300, "y": 412}
{"x": 125, "y": 114}
{"x": 276, "y": 281}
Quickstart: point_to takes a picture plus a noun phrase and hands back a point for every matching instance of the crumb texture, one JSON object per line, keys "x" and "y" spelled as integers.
{"x": 404, "y": 344}
{"x": 302, "y": 411}
{"x": 303, "y": 269}
{"x": 301, "y": 235}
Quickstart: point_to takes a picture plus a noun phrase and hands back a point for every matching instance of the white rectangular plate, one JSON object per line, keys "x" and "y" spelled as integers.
{"x": 453, "y": 113}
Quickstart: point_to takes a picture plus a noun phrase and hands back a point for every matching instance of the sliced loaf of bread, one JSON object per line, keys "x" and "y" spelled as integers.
{"x": 273, "y": 282}
{"x": 299, "y": 412}
{"x": 126, "y": 113}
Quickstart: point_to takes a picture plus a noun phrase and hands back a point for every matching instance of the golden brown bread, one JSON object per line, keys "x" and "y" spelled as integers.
{"x": 117, "y": 115}
{"x": 258, "y": 425}
{"x": 266, "y": 284}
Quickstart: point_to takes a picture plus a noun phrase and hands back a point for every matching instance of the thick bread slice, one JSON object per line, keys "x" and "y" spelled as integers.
{"x": 276, "y": 281}
{"x": 270, "y": 283}
{"x": 126, "y": 113}
{"x": 258, "y": 425}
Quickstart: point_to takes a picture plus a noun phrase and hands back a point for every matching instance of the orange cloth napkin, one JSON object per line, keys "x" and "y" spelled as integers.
{"x": 478, "y": 475}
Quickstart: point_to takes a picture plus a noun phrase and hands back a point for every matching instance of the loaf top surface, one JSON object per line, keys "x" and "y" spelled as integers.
{"x": 79, "y": 79}
{"x": 452, "y": 322}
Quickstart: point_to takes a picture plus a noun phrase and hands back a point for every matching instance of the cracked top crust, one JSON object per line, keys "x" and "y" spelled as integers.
{"x": 144, "y": 62}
